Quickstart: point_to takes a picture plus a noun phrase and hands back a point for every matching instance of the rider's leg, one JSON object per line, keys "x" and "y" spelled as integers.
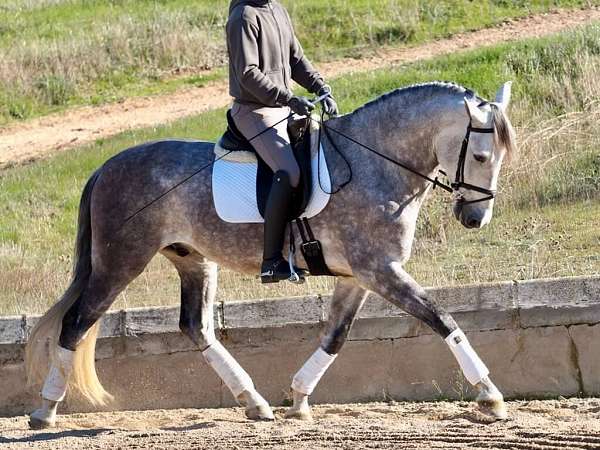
{"x": 274, "y": 267}
{"x": 274, "y": 147}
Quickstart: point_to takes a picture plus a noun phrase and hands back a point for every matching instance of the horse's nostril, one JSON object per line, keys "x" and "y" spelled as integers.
{"x": 472, "y": 222}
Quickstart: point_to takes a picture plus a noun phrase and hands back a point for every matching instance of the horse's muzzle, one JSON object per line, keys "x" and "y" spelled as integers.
{"x": 468, "y": 215}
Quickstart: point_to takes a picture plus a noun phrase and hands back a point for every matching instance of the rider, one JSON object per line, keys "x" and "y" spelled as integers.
{"x": 264, "y": 56}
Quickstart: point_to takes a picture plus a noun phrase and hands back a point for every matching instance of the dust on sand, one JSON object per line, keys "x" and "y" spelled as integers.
{"x": 549, "y": 424}
{"x": 39, "y": 138}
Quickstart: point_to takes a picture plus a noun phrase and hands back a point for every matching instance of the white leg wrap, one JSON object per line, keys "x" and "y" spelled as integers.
{"x": 55, "y": 386}
{"x": 232, "y": 374}
{"x": 311, "y": 372}
{"x": 472, "y": 366}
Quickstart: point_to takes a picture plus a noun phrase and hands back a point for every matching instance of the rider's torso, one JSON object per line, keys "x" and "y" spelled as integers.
{"x": 275, "y": 38}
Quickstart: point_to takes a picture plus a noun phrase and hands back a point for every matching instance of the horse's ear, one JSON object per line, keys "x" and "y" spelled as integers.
{"x": 476, "y": 114}
{"x": 503, "y": 95}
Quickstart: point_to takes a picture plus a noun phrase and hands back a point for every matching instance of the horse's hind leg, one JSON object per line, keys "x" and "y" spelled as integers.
{"x": 398, "y": 287}
{"x": 198, "y": 291}
{"x": 74, "y": 359}
{"x": 348, "y": 298}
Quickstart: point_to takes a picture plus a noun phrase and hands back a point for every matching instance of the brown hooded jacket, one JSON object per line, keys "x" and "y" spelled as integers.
{"x": 265, "y": 55}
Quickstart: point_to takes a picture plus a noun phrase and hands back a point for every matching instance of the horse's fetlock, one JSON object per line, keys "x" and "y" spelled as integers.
{"x": 300, "y": 409}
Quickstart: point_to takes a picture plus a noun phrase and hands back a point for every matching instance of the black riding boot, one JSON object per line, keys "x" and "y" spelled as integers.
{"x": 274, "y": 268}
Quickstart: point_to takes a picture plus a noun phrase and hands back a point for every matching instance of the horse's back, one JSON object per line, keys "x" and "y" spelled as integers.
{"x": 140, "y": 174}
{"x": 171, "y": 152}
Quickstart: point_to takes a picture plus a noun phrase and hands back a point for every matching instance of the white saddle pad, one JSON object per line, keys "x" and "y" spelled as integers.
{"x": 234, "y": 184}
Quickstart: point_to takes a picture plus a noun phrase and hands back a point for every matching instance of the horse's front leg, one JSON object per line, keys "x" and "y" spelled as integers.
{"x": 394, "y": 284}
{"x": 348, "y": 297}
{"x": 198, "y": 291}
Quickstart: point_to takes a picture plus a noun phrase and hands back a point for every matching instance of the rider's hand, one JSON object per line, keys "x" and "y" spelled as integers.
{"x": 329, "y": 104}
{"x": 301, "y": 106}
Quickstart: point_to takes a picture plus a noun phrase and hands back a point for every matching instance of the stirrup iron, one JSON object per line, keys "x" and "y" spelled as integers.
{"x": 294, "y": 276}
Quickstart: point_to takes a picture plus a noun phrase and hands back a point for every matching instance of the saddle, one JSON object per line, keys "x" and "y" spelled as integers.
{"x": 241, "y": 182}
{"x": 299, "y": 131}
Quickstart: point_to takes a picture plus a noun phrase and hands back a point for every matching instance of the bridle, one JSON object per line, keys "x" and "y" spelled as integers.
{"x": 459, "y": 179}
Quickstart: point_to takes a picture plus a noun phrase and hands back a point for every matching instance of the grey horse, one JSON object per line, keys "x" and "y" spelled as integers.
{"x": 366, "y": 230}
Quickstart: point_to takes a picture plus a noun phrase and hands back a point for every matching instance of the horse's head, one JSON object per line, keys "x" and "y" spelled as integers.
{"x": 474, "y": 166}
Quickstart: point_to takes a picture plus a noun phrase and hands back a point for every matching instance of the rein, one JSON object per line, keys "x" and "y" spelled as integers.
{"x": 452, "y": 187}
{"x": 172, "y": 188}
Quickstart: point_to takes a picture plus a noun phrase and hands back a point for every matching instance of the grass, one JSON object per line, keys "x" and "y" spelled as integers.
{"x": 546, "y": 216}
{"x": 89, "y": 52}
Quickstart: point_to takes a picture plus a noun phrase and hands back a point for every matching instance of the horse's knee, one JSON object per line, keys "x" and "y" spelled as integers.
{"x": 189, "y": 330}
{"x": 198, "y": 289}
{"x": 333, "y": 341}
{"x": 196, "y": 322}
{"x": 201, "y": 336}
{"x": 442, "y": 323}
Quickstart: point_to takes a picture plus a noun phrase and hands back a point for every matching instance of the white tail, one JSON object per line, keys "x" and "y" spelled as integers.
{"x": 40, "y": 351}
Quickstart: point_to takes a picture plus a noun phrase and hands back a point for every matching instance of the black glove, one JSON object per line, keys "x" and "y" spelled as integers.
{"x": 329, "y": 104}
{"x": 301, "y": 105}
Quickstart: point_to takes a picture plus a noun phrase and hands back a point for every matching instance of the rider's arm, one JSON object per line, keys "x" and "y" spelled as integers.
{"x": 242, "y": 38}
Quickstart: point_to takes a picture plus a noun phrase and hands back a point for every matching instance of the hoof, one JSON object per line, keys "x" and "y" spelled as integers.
{"x": 299, "y": 414}
{"x": 260, "y": 412}
{"x": 493, "y": 408}
{"x": 38, "y": 422}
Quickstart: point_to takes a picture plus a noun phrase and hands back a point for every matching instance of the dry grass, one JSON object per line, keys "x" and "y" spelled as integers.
{"x": 56, "y": 53}
{"x": 546, "y": 220}
{"x": 55, "y": 71}
{"x": 34, "y": 284}
{"x": 26, "y": 5}
{"x": 557, "y": 137}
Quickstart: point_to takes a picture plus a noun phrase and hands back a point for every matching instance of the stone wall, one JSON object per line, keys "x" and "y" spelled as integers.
{"x": 539, "y": 338}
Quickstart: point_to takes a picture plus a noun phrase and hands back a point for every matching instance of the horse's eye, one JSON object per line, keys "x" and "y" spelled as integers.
{"x": 480, "y": 158}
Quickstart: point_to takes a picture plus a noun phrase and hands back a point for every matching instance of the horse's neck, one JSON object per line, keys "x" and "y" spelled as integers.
{"x": 406, "y": 137}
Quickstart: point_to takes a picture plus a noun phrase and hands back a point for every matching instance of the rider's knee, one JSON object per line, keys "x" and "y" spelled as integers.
{"x": 281, "y": 176}
{"x": 289, "y": 176}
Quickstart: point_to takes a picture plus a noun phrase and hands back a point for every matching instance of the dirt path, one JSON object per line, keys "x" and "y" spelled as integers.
{"x": 42, "y": 137}
{"x": 548, "y": 425}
